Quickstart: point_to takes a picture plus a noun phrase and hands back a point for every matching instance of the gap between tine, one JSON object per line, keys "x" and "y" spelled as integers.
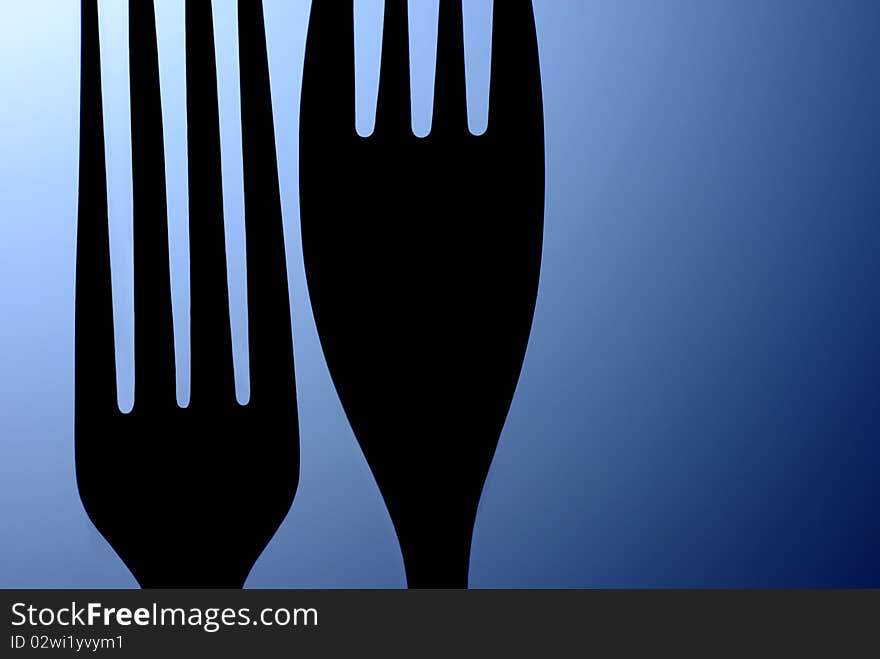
{"x": 270, "y": 340}
{"x": 394, "y": 111}
{"x": 154, "y": 331}
{"x": 450, "y": 90}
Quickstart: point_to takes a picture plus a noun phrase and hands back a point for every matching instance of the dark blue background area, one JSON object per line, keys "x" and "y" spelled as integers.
{"x": 699, "y": 404}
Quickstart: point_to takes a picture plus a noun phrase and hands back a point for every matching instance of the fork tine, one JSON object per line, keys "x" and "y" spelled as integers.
{"x": 450, "y": 93}
{"x": 394, "y": 110}
{"x": 212, "y": 372}
{"x": 328, "y": 86}
{"x": 271, "y": 348}
{"x": 95, "y": 354}
{"x": 515, "y": 101}
{"x": 154, "y": 331}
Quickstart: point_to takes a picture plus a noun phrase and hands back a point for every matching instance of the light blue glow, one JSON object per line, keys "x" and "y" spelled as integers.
{"x": 115, "y": 88}
{"x": 171, "y": 39}
{"x": 423, "y": 15}
{"x": 229, "y": 95}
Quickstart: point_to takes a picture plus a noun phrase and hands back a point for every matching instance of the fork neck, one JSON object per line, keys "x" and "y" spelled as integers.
{"x": 436, "y": 556}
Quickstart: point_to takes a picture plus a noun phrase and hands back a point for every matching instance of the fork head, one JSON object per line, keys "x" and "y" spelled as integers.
{"x": 187, "y": 497}
{"x": 422, "y": 257}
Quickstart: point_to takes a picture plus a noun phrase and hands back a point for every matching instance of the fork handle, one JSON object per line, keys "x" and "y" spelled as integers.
{"x": 436, "y": 557}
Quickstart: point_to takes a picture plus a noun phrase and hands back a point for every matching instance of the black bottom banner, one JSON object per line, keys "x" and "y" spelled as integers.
{"x": 287, "y": 623}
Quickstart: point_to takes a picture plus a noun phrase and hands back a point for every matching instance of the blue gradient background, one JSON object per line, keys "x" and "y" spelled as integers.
{"x": 699, "y": 404}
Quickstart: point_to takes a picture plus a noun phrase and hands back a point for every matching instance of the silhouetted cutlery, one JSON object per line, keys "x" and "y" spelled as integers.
{"x": 423, "y": 258}
{"x": 187, "y": 497}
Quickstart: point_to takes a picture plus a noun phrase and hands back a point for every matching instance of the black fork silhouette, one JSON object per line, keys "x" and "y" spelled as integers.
{"x": 423, "y": 259}
{"x": 187, "y": 497}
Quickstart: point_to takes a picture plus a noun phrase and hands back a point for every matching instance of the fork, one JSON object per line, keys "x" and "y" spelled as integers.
{"x": 187, "y": 497}
{"x": 422, "y": 259}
